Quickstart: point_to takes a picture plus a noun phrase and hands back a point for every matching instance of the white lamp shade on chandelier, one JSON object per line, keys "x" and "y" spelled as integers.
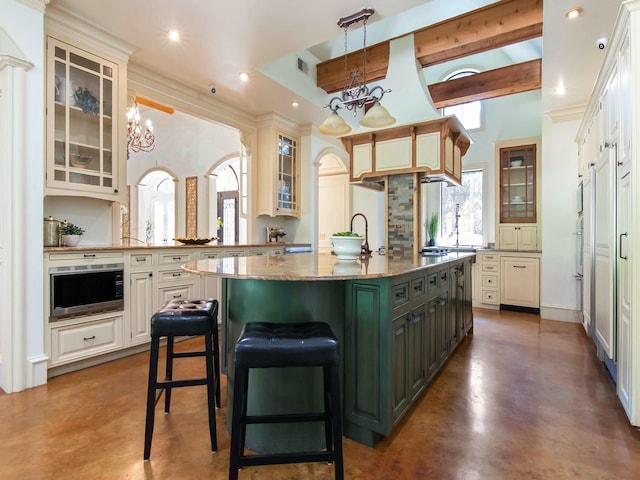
{"x": 356, "y": 94}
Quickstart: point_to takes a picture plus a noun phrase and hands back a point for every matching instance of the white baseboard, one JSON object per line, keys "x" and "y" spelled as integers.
{"x": 560, "y": 314}
{"x": 37, "y": 372}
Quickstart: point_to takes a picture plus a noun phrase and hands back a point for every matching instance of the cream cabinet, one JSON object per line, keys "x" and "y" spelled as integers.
{"x": 278, "y": 173}
{"x": 78, "y": 339}
{"x": 434, "y": 149}
{"x": 520, "y": 281}
{"x": 140, "y": 306}
{"x": 84, "y": 155}
{"x": 518, "y": 237}
{"x": 486, "y": 284}
{"x": 518, "y": 194}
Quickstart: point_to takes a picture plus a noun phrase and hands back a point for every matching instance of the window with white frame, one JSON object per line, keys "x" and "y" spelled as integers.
{"x": 461, "y": 211}
{"x": 157, "y": 208}
{"x": 470, "y": 114}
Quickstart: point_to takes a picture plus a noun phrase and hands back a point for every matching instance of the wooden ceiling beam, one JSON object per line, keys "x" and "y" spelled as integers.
{"x": 494, "y": 26}
{"x": 518, "y": 78}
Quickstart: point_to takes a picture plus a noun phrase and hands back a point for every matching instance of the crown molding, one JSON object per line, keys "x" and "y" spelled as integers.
{"x": 567, "y": 114}
{"x": 38, "y": 5}
{"x": 69, "y": 27}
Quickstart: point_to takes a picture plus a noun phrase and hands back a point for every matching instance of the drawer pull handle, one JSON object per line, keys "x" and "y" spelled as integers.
{"x": 177, "y": 258}
{"x": 400, "y": 295}
{"x": 141, "y": 259}
{"x": 259, "y": 253}
{"x": 86, "y": 339}
{"x": 177, "y": 274}
{"x": 519, "y": 266}
{"x": 89, "y": 255}
{"x": 177, "y": 296}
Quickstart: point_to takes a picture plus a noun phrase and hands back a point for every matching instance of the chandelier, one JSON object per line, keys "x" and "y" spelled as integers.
{"x": 356, "y": 94}
{"x": 137, "y": 139}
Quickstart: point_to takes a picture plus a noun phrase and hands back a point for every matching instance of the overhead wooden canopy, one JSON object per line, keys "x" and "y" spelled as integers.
{"x": 494, "y": 26}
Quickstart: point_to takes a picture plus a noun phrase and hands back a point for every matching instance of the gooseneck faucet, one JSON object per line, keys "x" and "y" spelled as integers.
{"x": 365, "y": 248}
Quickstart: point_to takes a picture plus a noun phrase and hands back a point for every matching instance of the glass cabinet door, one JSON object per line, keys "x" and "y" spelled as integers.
{"x": 287, "y": 179}
{"x": 518, "y": 184}
{"x": 81, "y": 136}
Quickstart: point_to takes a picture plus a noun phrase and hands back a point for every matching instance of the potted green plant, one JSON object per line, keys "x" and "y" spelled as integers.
{"x": 434, "y": 222}
{"x": 70, "y": 234}
{"x": 347, "y": 245}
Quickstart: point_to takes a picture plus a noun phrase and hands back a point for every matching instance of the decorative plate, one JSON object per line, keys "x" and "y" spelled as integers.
{"x": 195, "y": 241}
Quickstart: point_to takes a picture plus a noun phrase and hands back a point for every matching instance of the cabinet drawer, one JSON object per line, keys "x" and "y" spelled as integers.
{"x": 172, "y": 258}
{"x": 234, "y": 253}
{"x": 443, "y": 279}
{"x": 490, "y": 281}
{"x": 209, "y": 255}
{"x": 490, "y": 296}
{"x": 490, "y": 267}
{"x": 85, "y": 257}
{"x": 418, "y": 288}
{"x": 488, "y": 257}
{"x": 432, "y": 285}
{"x": 172, "y": 275}
{"x": 399, "y": 294}
{"x": 140, "y": 260}
{"x": 184, "y": 292}
{"x": 83, "y": 340}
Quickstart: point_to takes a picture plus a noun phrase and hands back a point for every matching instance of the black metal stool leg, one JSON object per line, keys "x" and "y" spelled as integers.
{"x": 216, "y": 364}
{"x": 151, "y": 396}
{"x": 328, "y": 429}
{"x": 336, "y": 420}
{"x": 169, "y": 374}
{"x": 211, "y": 381}
{"x": 236, "y": 448}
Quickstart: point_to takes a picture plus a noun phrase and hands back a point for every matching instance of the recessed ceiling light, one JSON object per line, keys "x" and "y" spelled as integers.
{"x": 174, "y": 36}
{"x": 295, "y": 104}
{"x": 244, "y": 76}
{"x": 573, "y": 13}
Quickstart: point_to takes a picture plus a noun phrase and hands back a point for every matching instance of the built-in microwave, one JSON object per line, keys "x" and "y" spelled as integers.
{"x": 86, "y": 289}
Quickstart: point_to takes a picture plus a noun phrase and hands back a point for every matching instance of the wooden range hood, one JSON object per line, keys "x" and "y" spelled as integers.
{"x": 433, "y": 149}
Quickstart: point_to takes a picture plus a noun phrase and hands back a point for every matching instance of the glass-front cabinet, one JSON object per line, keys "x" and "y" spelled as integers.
{"x": 287, "y": 201}
{"x": 518, "y": 184}
{"x": 82, "y": 147}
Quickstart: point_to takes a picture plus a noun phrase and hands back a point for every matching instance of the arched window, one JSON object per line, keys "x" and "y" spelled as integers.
{"x": 470, "y": 114}
{"x": 157, "y": 207}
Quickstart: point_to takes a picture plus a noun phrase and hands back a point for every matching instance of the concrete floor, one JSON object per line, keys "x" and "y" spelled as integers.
{"x": 522, "y": 398}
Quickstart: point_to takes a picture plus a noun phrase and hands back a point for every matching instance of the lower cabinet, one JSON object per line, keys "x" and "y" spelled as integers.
{"x": 399, "y": 332}
{"x": 141, "y": 306}
{"x": 77, "y": 339}
{"x": 520, "y": 281}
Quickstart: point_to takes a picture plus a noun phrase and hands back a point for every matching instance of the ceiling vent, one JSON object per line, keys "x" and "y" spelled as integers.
{"x": 303, "y": 66}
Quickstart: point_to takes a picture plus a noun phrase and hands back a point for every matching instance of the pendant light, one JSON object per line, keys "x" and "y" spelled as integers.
{"x": 356, "y": 94}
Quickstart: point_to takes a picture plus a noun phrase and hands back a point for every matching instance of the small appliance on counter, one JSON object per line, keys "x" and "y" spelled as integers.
{"x": 51, "y": 233}
{"x": 275, "y": 234}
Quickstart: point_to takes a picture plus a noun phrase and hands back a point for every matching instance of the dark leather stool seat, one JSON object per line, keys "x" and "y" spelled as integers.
{"x": 183, "y": 318}
{"x": 267, "y": 345}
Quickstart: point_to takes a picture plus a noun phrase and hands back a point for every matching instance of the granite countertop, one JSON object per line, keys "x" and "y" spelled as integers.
{"x": 317, "y": 266}
{"x": 96, "y": 248}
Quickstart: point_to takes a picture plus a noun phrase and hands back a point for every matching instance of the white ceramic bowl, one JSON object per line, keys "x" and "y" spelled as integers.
{"x": 347, "y": 248}
{"x": 516, "y": 163}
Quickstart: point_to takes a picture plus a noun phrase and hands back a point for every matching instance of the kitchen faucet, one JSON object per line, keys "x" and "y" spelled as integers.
{"x": 365, "y": 248}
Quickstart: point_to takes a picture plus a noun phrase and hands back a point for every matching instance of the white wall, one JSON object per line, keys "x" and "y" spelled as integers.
{"x": 24, "y": 311}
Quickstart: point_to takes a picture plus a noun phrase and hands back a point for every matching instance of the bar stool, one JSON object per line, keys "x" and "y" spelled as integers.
{"x": 267, "y": 345}
{"x": 183, "y": 318}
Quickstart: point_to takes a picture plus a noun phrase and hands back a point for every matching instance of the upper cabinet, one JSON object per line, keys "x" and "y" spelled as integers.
{"x": 83, "y": 153}
{"x": 278, "y": 173}
{"x": 434, "y": 148}
{"x": 518, "y": 184}
{"x": 518, "y": 194}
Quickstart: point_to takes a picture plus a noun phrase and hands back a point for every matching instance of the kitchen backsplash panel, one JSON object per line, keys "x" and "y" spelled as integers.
{"x": 401, "y": 213}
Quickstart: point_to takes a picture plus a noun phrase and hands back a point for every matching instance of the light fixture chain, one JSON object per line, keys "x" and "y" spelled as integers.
{"x": 364, "y": 48}
{"x": 346, "y": 70}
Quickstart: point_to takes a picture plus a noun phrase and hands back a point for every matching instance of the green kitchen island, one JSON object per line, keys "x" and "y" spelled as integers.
{"x": 397, "y": 320}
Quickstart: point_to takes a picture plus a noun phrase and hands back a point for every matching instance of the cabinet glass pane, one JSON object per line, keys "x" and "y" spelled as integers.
{"x": 517, "y": 184}
{"x": 286, "y": 173}
{"x": 83, "y": 95}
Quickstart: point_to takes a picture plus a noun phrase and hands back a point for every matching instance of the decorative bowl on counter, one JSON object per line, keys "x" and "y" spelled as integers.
{"x": 195, "y": 241}
{"x": 347, "y": 247}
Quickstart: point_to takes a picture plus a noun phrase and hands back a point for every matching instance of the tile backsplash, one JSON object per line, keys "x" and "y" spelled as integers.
{"x": 401, "y": 214}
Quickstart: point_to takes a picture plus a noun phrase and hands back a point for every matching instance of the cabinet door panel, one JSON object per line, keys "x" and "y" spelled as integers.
{"x": 520, "y": 278}
{"x": 399, "y": 368}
